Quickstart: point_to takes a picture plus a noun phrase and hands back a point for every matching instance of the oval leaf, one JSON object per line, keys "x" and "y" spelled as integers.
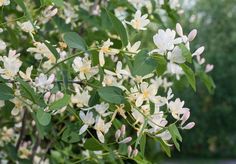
{"x": 112, "y": 94}
{"x": 56, "y": 105}
{"x": 73, "y": 40}
{"x": 43, "y": 118}
{"x": 6, "y": 93}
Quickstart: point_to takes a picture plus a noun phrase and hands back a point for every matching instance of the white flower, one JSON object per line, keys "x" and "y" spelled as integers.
{"x": 26, "y": 27}
{"x": 43, "y": 83}
{"x": 106, "y": 50}
{"x": 176, "y": 56}
{"x": 120, "y": 13}
{"x": 209, "y": 68}
{"x": 42, "y": 49}
{"x": 2, "y": 103}
{"x": 7, "y": 134}
{"x": 138, "y": 4}
{"x": 134, "y": 49}
{"x": 118, "y": 72}
{"x": 102, "y": 109}
{"x": 139, "y": 22}
{"x": 101, "y": 128}
{"x": 48, "y": 13}
{"x": 164, "y": 40}
{"x": 27, "y": 74}
{"x": 199, "y": 51}
{"x": 83, "y": 66}
{"x": 2, "y": 45}
{"x": 80, "y": 99}
{"x": 176, "y": 108}
{"x": 11, "y": 65}
{"x": 4, "y": 2}
{"x": 175, "y": 69}
{"x": 17, "y": 108}
{"x": 147, "y": 93}
{"x": 87, "y": 119}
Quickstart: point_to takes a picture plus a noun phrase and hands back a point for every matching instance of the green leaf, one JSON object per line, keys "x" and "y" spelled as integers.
{"x": 73, "y": 40}
{"x": 161, "y": 64}
{"x": 175, "y": 135}
{"x": 119, "y": 28}
{"x": 143, "y": 144}
{"x": 186, "y": 53}
{"x": 53, "y": 50}
{"x": 92, "y": 144}
{"x": 56, "y": 105}
{"x": 58, "y": 3}
{"x": 71, "y": 136}
{"x": 208, "y": 82}
{"x": 164, "y": 147}
{"x": 28, "y": 92}
{"x": 112, "y": 94}
{"x": 143, "y": 64}
{"x": 94, "y": 99}
{"x": 6, "y": 93}
{"x": 43, "y": 117}
{"x": 190, "y": 75}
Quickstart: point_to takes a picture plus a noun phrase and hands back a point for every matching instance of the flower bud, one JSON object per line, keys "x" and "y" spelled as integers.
{"x": 179, "y": 29}
{"x": 129, "y": 150}
{"x": 209, "y": 68}
{"x": 199, "y": 51}
{"x": 46, "y": 96}
{"x": 51, "y": 79}
{"x": 52, "y": 98}
{"x": 117, "y": 135}
{"x": 189, "y": 126}
{"x": 135, "y": 153}
{"x": 59, "y": 95}
{"x": 126, "y": 140}
{"x": 192, "y": 35}
{"x": 123, "y": 130}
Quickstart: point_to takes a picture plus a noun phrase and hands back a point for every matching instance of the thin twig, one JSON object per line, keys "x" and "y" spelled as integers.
{"x": 22, "y": 130}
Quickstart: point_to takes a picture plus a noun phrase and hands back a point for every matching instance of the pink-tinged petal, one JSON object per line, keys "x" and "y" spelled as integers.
{"x": 101, "y": 59}
{"x": 189, "y": 126}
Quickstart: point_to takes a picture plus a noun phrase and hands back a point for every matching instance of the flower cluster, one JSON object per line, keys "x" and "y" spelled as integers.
{"x": 99, "y": 89}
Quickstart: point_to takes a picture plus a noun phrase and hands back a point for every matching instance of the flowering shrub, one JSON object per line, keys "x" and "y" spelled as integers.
{"x": 92, "y": 81}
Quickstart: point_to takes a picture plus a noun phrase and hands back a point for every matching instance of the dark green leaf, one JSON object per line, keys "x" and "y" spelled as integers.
{"x": 112, "y": 94}
{"x": 119, "y": 28}
{"x": 92, "y": 144}
{"x": 161, "y": 64}
{"x": 143, "y": 144}
{"x": 53, "y": 50}
{"x": 6, "y": 93}
{"x": 43, "y": 118}
{"x": 71, "y": 136}
{"x": 73, "y": 40}
{"x": 190, "y": 75}
{"x": 208, "y": 82}
{"x": 143, "y": 64}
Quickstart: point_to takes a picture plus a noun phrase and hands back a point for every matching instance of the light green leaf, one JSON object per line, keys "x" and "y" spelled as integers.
{"x": 58, "y": 3}
{"x": 6, "y": 93}
{"x": 56, "y": 105}
{"x": 73, "y": 40}
{"x": 43, "y": 118}
{"x": 119, "y": 28}
{"x": 143, "y": 64}
{"x": 186, "y": 53}
{"x": 190, "y": 75}
{"x": 175, "y": 135}
{"x": 111, "y": 94}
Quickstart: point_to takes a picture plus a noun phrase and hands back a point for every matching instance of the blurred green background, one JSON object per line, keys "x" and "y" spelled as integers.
{"x": 214, "y": 136}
